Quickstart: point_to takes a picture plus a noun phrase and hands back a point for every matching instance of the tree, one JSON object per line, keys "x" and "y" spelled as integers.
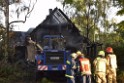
{"x": 120, "y": 4}
{"x": 88, "y": 15}
{"x": 5, "y": 8}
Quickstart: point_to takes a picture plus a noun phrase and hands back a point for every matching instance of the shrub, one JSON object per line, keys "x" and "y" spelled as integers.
{"x": 120, "y": 77}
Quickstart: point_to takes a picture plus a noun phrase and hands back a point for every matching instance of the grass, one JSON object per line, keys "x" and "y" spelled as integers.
{"x": 11, "y": 73}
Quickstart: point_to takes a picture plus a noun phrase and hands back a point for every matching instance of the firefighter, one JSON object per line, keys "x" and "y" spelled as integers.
{"x": 84, "y": 67}
{"x": 111, "y": 59}
{"x": 71, "y": 66}
{"x": 78, "y": 76}
{"x": 100, "y": 66}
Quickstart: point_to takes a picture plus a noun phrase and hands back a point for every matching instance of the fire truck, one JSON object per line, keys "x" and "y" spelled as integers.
{"x": 53, "y": 57}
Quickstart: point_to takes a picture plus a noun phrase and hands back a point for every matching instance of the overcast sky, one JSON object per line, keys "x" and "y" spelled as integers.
{"x": 41, "y": 10}
{"x": 112, "y": 15}
{"x": 39, "y": 13}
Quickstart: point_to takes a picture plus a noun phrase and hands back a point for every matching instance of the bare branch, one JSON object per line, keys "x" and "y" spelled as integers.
{"x": 17, "y": 21}
{"x": 26, "y": 16}
{"x": 32, "y": 8}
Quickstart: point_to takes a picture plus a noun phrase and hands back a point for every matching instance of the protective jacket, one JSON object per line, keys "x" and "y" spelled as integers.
{"x": 112, "y": 60}
{"x": 70, "y": 64}
{"x": 100, "y": 65}
{"x": 85, "y": 66}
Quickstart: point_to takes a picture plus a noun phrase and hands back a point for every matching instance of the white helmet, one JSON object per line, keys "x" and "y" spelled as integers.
{"x": 79, "y": 53}
{"x": 74, "y": 55}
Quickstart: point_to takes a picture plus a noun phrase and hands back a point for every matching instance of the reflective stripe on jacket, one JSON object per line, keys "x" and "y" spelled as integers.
{"x": 69, "y": 76}
{"x": 85, "y": 66}
{"x": 68, "y": 62}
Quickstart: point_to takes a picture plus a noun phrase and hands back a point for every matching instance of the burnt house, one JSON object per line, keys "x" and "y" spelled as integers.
{"x": 58, "y": 23}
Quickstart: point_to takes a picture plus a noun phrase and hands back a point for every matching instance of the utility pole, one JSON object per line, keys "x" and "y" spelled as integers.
{"x": 87, "y": 27}
{"x": 87, "y": 16}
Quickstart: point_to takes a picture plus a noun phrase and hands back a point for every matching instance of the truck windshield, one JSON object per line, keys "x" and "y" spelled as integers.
{"x": 53, "y": 42}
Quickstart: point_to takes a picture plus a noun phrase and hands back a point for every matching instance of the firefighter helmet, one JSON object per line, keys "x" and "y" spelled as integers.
{"x": 101, "y": 53}
{"x": 74, "y": 55}
{"x": 79, "y": 53}
{"x": 109, "y": 50}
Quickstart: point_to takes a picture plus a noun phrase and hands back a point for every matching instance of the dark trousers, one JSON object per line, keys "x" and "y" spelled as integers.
{"x": 70, "y": 80}
{"x": 78, "y": 78}
{"x": 85, "y": 79}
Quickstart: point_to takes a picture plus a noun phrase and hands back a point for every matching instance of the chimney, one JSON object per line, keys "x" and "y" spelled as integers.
{"x": 50, "y": 11}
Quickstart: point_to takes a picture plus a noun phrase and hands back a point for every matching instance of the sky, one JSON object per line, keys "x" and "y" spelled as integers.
{"x": 41, "y": 10}
{"x": 112, "y": 15}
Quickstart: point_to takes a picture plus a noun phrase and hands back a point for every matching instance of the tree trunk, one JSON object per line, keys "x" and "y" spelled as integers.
{"x": 6, "y": 13}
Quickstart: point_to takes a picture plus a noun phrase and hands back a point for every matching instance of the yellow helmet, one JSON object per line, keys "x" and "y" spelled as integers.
{"x": 79, "y": 53}
{"x": 74, "y": 55}
{"x": 102, "y": 53}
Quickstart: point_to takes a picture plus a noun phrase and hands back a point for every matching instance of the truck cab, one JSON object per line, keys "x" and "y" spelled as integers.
{"x": 54, "y": 55}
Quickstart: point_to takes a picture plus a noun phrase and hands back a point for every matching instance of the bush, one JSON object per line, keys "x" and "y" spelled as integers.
{"x": 6, "y": 70}
{"x": 9, "y": 73}
{"x": 120, "y": 77}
